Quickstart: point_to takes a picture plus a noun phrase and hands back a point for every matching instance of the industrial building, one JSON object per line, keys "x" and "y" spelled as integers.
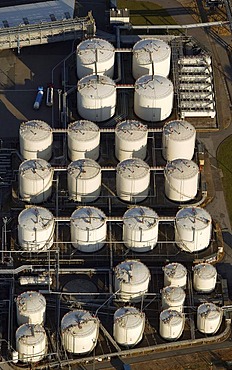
{"x": 107, "y": 249}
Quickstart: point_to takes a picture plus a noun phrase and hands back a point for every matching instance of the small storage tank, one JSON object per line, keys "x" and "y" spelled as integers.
{"x": 132, "y": 180}
{"x": 83, "y": 140}
{"x": 35, "y": 139}
{"x": 178, "y": 140}
{"x": 130, "y": 140}
{"x": 173, "y": 297}
{"x": 151, "y": 56}
{"x": 153, "y": 98}
{"x": 88, "y": 229}
{"x": 204, "y": 277}
{"x": 140, "y": 229}
{"x": 35, "y": 180}
{"x": 31, "y": 342}
{"x": 95, "y": 56}
{"x": 171, "y": 324}
{"x": 181, "y": 180}
{"x": 79, "y": 331}
{"x": 131, "y": 279}
{"x": 35, "y": 229}
{"x": 96, "y": 98}
{"x": 175, "y": 274}
{"x": 31, "y": 308}
{"x": 209, "y": 318}
{"x": 84, "y": 180}
{"x": 129, "y": 324}
{"x": 193, "y": 227}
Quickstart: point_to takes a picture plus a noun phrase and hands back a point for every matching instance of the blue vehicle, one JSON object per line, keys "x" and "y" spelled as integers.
{"x": 39, "y": 97}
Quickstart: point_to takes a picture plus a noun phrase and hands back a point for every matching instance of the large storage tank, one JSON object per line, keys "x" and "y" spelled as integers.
{"x": 31, "y": 308}
{"x": 173, "y": 297}
{"x": 175, "y": 274}
{"x": 140, "y": 229}
{"x": 132, "y": 180}
{"x": 35, "y": 180}
{"x": 193, "y": 227}
{"x": 153, "y": 98}
{"x": 204, "y": 277}
{"x": 181, "y": 180}
{"x": 84, "y": 180}
{"x": 171, "y": 324}
{"x": 35, "y": 139}
{"x": 209, "y": 318}
{"x": 151, "y": 56}
{"x": 130, "y": 140}
{"x": 96, "y": 98}
{"x": 129, "y": 324}
{"x": 35, "y": 229}
{"x": 95, "y": 56}
{"x": 79, "y": 331}
{"x": 88, "y": 229}
{"x": 131, "y": 279}
{"x": 83, "y": 140}
{"x": 178, "y": 140}
{"x": 31, "y": 342}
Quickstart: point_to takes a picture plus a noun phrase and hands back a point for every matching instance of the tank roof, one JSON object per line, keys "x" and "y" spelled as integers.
{"x": 147, "y": 50}
{"x": 85, "y": 168}
{"x": 96, "y": 87}
{"x": 179, "y": 130}
{"x": 172, "y": 317}
{"x": 83, "y": 130}
{"x": 132, "y": 272}
{"x": 133, "y": 168}
{"x": 35, "y": 168}
{"x": 96, "y": 49}
{"x": 31, "y": 334}
{"x": 153, "y": 87}
{"x": 128, "y": 317}
{"x": 193, "y": 217}
{"x": 35, "y": 218}
{"x": 174, "y": 294}
{"x": 79, "y": 323}
{"x": 35, "y": 130}
{"x": 181, "y": 169}
{"x": 209, "y": 310}
{"x": 88, "y": 217}
{"x": 205, "y": 270}
{"x": 140, "y": 218}
{"x": 31, "y": 301}
{"x": 131, "y": 130}
{"x": 175, "y": 269}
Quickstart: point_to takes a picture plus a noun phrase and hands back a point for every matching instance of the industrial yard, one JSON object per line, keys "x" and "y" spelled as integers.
{"x": 109, "y": 246}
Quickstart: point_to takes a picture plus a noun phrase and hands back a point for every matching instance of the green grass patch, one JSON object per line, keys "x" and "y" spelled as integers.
{"x": 145, "y": 12}
{"x": 224, "y": 157}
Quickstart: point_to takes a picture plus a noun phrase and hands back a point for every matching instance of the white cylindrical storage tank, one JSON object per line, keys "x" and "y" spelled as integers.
{"x": 79, "y": 331}
{"x": 153, "y": 98}
{"x": 131, "y": 279}
{"x": 175, "y": 274}
{"x": 88, "y": 229}
{"x": 140, "y": 229}
{"x": 95, "y": 56}
{"x": 181, "y": 180}
{"x": 31, "y": 308}
{"x": 204, "y": 277}
{"x": 209, "y": 318}
{"x": 35, "y": 139}
{"x": 130, "y": 140}
{"x": 173, "y": 297}
{"x": 83, "y": 140}
{"x": 151, "y": 57}
{"x": 35, "y": 229}
{"x": 193, "y": 227}
{"x": 171, "y": 324}
{"x": 129, "y": 324}
{"x": 84, "y": 180}
{"x": 35, "y": 180}
{"x": 132, "y": 180}
{"x": 96, "y": 98}
{"x": 31, "y": 342}
{"x": 178, "y": 140}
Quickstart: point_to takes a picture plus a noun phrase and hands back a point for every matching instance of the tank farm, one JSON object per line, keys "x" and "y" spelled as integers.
{"x": 111, "y": 247}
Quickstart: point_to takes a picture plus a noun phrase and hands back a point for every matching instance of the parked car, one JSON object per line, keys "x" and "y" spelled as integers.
{"x": 49, "y": 97}
{"x": 39, "y": 97}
